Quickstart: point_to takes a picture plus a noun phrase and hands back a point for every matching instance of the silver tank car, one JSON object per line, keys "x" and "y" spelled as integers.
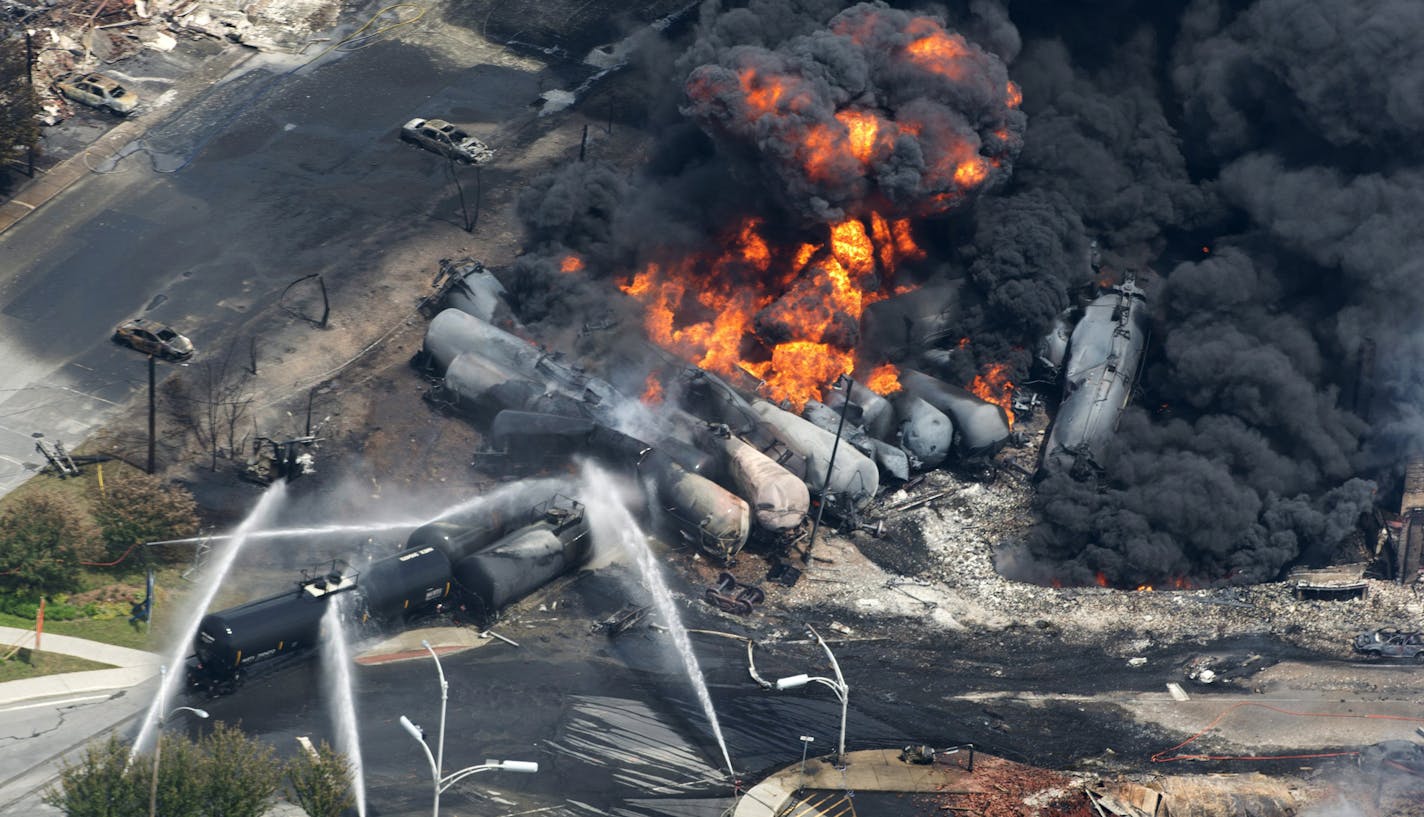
{"x": 476, "y": 383}
{"x": 981, "y": 428}
{"x": 709, "y": 516}
{"x": 925, "y": 432}
{"x": 891, "y": 460}
{"x": 853, "y": 477}
{"x": 876, "y": 414}
{"x": 1104, "y": 353}
{"x": 452, "y": 332}
{"x": 704, "y": 512}
{"x": 710, "y": 397}
{"x": 474, "y": 290}
{"x": 526, "y": 559}
{"x": 778, "y": 498}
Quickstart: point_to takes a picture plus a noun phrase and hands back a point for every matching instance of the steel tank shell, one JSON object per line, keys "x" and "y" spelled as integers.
{"x": 877, "y": 416}
{"x": 890, "y": 459}
{"x": 477, "y": 384}
{"x": 912, "y": 321}
{"x": 778, "y": 499}
{"x": 478, "y": 292}
{"x": 852, "y": 475}
{"x": 453, "y": 332}
{"x": 463, "y": 531}
{"x": 238, "y": 637}
{"x": 405, "y": 583}
{"x": 925, "y": 432}
{"x": 982, "y": 428}
{"x": 716, "y": 520}
{"x": 1104, "y": 353}
{"x": 522, "y": 562}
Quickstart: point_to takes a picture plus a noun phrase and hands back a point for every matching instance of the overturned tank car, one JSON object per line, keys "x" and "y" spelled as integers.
{"x": 1104, "y": 358}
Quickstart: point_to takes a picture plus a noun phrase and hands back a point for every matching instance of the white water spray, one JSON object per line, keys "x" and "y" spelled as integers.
{"x": 212, "y": 579}
{"x": 610, "y": 519}
{"x": 336, "y": 663}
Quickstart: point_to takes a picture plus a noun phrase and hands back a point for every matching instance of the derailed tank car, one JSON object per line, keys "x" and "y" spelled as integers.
{"x": 229, "y": 643}
{"x": 1104, "y": 353}
{"x": 530, "y": 557}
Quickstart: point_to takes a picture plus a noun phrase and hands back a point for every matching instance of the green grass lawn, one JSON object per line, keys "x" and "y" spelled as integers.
{"x": 108, "y": 630}
{"x": 32, "y": 664}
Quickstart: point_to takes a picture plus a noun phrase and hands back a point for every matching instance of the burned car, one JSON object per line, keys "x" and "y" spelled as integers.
{"x": 154, "y": 338}
{"x": 1389, "y": 643}
{"x": 447, "y": 140}
{"x": 99, "y": 91}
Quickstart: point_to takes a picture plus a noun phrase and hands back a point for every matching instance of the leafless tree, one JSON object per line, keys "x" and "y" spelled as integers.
{"x": 210, "y": 400}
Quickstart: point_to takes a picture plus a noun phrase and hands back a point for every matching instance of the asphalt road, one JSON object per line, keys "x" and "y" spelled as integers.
{"x": 282, "y": 169}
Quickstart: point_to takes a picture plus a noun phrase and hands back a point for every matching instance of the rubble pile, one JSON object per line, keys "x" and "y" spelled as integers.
{"x": 936, "y": 565}
{"x": 70, "y": 36}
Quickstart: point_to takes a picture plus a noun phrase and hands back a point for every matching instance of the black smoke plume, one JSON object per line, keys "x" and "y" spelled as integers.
{"x": 1257, "y": 163}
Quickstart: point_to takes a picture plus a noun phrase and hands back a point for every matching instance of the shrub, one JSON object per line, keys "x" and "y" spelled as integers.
{"x": 142, "y": 508}
{"x": 226, "y": 774}
{"x": 321, "y": 784}
{"x": 41, "y": 537}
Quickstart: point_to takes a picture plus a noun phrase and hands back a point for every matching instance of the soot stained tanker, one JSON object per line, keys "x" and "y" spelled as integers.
{"x": 1104, "y": 354}
{"x": 705, "y": 514}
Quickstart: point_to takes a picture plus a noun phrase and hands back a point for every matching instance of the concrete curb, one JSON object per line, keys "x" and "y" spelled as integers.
{"x": 48, "y": 184}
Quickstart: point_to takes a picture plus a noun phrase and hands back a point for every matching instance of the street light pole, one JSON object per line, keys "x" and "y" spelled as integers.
{"x": 838, "y": 686}
{"x": 158, "y": 744}
{"x": 437, "y": 760}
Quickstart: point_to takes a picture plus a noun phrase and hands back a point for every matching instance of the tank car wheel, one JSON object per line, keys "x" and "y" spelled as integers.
{"x": 1419, "y": 657}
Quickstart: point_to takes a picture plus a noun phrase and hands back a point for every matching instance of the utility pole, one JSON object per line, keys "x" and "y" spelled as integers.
{"x": 152, "y": 411}
{"x": 825, "y": 486}
{"x": 30, "y": 73}
{"x": 583, "y": 145}
{"x": 465, "y": 212}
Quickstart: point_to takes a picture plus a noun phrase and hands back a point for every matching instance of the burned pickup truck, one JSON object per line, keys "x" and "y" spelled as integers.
{"x": 1389, "y": 643}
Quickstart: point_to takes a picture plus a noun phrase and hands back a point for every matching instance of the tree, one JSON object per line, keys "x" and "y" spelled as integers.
{"x": 321, "y": 783}
{"x": 101, "y": 784}
{"x": 226, "y": 774}
{"x": 143, "y": 508}
{"x": 211, "y": 400}
{"x": 19, "y": 130}
{"x": 40, "y": 537}
{"x": 241, "y": 774}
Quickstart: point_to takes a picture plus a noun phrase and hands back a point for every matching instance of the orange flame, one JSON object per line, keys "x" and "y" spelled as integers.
{"x": 779, "y": 313}
{"x": 994, "y": 386}
{"x": 884, "y": 380}
{"x": 1144, "y": 588}
{"x": 1013, "y": 95}
{"x": 652, "y": 391}
{"x": 571, "y": 263}
{"x": 1101, "y": 579}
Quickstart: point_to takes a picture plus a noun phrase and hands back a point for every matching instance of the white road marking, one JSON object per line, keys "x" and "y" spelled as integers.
{"x": 64, "y": 702}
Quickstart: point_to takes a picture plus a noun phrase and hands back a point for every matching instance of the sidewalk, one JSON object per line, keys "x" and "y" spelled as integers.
{"x": 131, "y": 667}
{"x": 33, "y": 194}
{"x": 871, "y": 770}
